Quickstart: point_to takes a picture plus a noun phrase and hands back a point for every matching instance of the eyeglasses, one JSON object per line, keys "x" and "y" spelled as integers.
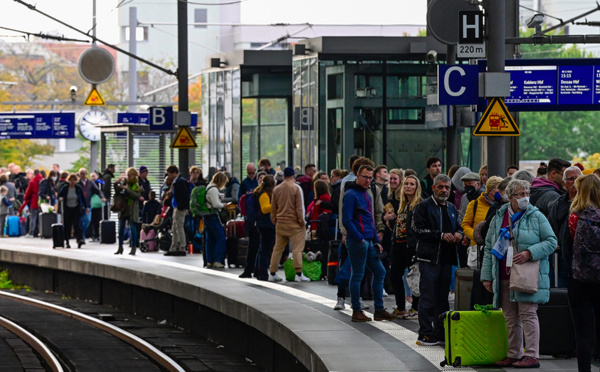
{"x": 521, "y": 195}
{"x": 366, "y": 177}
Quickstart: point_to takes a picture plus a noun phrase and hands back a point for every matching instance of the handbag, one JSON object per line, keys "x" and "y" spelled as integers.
{"x": 523, "y": 277}
{"x": 96, "y": 202}
{"x": 413, "y": 278}
{"x": 119, "y": 203}
{"x": 472, "y": 257}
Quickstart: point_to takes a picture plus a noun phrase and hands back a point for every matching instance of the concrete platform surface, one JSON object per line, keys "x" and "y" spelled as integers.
{"x": 298, "y": 316}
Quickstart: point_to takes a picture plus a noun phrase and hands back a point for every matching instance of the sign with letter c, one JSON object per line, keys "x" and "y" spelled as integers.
{"x": 458, "y": 84}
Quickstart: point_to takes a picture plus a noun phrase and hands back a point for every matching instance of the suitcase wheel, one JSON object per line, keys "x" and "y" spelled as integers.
{"x": 143, "y": 247}
{"x": 443, "y": 363}
{"x": 456, "y": 362}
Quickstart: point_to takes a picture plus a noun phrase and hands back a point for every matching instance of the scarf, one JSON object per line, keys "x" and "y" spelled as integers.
{"x": 500, "y": 249}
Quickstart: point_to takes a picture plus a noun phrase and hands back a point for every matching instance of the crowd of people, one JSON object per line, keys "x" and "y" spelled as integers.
{"x": 390, "y": 223}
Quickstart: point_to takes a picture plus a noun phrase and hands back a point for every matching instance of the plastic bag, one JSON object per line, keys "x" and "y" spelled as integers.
{"x": 311, "y": 270}
{"x": 290, "y": 271}
{"x": 413, "y": 278}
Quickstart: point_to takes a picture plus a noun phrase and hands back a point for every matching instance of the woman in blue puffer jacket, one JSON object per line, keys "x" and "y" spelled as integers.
{"x": 534, "y": 240}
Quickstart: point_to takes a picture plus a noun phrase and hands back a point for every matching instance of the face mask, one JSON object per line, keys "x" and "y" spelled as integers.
{"x": 505, "y": 198}
{"x": 470, "y": 190}
{"x": 54, "y": 179}
{"x": 497, "y": 196}
{"x": 523, "y": 203}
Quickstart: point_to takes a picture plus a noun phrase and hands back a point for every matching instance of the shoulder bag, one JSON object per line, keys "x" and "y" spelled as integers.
{"x": 523, "y": 277}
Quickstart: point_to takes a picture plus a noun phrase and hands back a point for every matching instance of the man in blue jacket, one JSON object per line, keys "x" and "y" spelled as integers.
{"x": 363, "y": 244}
{"x": 180, "y": 204}
{"x": 435, "y": 224}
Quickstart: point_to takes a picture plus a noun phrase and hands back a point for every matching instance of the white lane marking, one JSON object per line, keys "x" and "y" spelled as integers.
{"x": 433, "y": 354}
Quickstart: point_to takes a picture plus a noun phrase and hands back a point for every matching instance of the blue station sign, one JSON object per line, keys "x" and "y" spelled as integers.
{"x": 535, "y": 85}
{"x": 144, "y": 118}
{"x": 37, "y": 125}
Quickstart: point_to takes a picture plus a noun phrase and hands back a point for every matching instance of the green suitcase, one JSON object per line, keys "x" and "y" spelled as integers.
{"x": 474, "y": 338}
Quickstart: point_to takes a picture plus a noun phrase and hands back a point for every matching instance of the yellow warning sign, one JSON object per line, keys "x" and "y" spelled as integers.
{"x": 496, "y": 121}
{"x": 184, "y": 139}
{"x": 94, "y": 99}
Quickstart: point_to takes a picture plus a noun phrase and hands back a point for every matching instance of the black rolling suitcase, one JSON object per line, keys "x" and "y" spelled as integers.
{"x": 58, "y": 233}
{"x": 108, "y": 231}
{"x": 556, "y": 327}
{"x": 333, "y": 259}
{"x": 46, "y": 222}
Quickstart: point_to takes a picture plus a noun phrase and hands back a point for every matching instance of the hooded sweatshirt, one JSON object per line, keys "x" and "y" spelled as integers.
{"x": 543, "y": 192}
{"x": 357, "y": 215}
{"x": 32, "y": 193}
{"x": 458, "y": 185}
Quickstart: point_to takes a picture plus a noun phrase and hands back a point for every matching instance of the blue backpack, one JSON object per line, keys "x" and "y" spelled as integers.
{"x": 251, "y": 208}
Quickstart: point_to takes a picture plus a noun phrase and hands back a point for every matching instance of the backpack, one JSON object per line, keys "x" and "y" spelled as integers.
{"x": 242, "y": 203}
{"x": 198, "y": 202}
{"x": 586, "y": 247}
{"x": 251, "y": 207}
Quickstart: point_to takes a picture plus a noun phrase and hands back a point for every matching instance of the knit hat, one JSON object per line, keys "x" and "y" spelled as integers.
{"x": 279, "y": 176}
{"x": 143, "y": 169}
{"x": 471, "y": 176}
{"x": 288, "y": 172}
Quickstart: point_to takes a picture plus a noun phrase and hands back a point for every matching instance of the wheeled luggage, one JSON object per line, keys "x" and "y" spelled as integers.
{"x": 148, "y": 241}
{"x": 333, "y": 261}
{"x": 46, "y": 222}
{"x": 234, "y": 232}
{"x": 58, "y": 235}
{"x": 108, "y": 231}
{"x": 479, "y": 295}
{"x": 556, "y": 328}
{"x": 463, "y": 285}
{"x": 474, "y": 338}
{"x": 13, "y": 226}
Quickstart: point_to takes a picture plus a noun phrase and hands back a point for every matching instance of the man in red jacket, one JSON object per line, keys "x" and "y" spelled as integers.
{"x": 31, "y": 200}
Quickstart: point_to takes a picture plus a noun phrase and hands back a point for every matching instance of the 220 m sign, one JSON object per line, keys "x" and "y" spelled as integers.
{"x": 470, "y": 51}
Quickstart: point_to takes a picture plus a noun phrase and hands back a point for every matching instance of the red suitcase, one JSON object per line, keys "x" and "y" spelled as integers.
{"x": 235, "y": 229}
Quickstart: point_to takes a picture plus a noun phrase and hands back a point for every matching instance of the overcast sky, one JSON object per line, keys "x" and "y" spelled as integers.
{"x": 79, "y": 14}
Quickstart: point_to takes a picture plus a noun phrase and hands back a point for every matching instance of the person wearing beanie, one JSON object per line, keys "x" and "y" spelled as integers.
{"x": 145, "y": 185}
{"x": 472, "y": 185}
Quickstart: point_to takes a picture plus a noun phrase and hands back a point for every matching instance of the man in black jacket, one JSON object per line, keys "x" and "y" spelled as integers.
{"x": 434, "y": 167}
{"x": 435, "y": 224}
{"x": 180, "y": 204}
{"x": 107, "y": 176}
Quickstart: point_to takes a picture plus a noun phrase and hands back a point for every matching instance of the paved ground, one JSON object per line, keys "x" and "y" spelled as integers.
{"x": 397, "y": 337}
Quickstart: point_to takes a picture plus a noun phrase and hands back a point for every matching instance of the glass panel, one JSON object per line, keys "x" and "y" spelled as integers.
{"x": 227, "y": 122}
{"x": 249, "y": 130}
{"x": 220, "y": 123}
{"x": 406, "y": 116}
{"x": 273, "y": 128}
{"x": 212, "y": 124}
{"x": 238, "y": 165}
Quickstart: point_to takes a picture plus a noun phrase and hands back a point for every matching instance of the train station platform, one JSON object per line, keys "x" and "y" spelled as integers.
{"x": 281, "y": 326}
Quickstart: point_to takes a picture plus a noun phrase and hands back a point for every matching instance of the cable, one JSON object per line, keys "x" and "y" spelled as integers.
{"x": 43, "y": 36}
{"x": 538, "y": 12}
{"x": 189, "y": 41}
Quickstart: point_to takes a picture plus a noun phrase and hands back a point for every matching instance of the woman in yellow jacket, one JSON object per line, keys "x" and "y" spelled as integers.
{"x": 476, "y": 212}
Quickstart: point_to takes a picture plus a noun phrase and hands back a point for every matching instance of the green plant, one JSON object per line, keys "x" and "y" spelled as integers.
{"x": 6, "y": 283}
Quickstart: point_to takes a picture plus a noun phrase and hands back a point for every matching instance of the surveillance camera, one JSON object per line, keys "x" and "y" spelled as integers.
{"x": 432, "y": 56}
{"x": 73, "y": 89}
{"x": 535, "y": 21}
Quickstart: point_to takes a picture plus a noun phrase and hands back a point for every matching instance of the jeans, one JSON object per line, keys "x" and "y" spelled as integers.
{"x": 434, "y": 286}
{"x": 362, "y": 255}
{"x": 584, "y": 301}
{"x": 33, "y": 217}
{"x": 133, "y": 229}
{"x": 265, "y": 251}
{"x": 179, "y": 242}
{"x": 215, "y": 239}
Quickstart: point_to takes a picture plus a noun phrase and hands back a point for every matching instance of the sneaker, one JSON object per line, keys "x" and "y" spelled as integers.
{"x": 527, "y": 362}
{"x": 363, "y": 305}
{"x": 451, "y": 297}
{"x": 218, "y": 265}
{"x": 341, "y": 304}
{"x": 209, "y": 265}
{"x": 360, "y": 317}
{"x": 411, "y": 314}
{"x": 383, "y": 315}
{"x": 385, "y": 294}
{"x": 506, "y": 362}
{"x": 301, "y": 278}
{"x": 171, "y": 253}
{"x": 427, "y": 341}
{"x": 245, "y": 274}
{"x": 275, "y": 278}
{"x": 400, "y": 314}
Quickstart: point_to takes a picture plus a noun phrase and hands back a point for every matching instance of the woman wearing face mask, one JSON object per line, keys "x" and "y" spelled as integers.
{"x": 523, "y": 225}
{"x": 476, "y": 212}
{"x": 48, "y": 191}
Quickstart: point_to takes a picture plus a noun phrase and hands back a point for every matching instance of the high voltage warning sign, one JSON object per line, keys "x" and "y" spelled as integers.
{"x": 496, "y": 121}
{"x": 94, "y": 99}
{"x": 184, "y": 139}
